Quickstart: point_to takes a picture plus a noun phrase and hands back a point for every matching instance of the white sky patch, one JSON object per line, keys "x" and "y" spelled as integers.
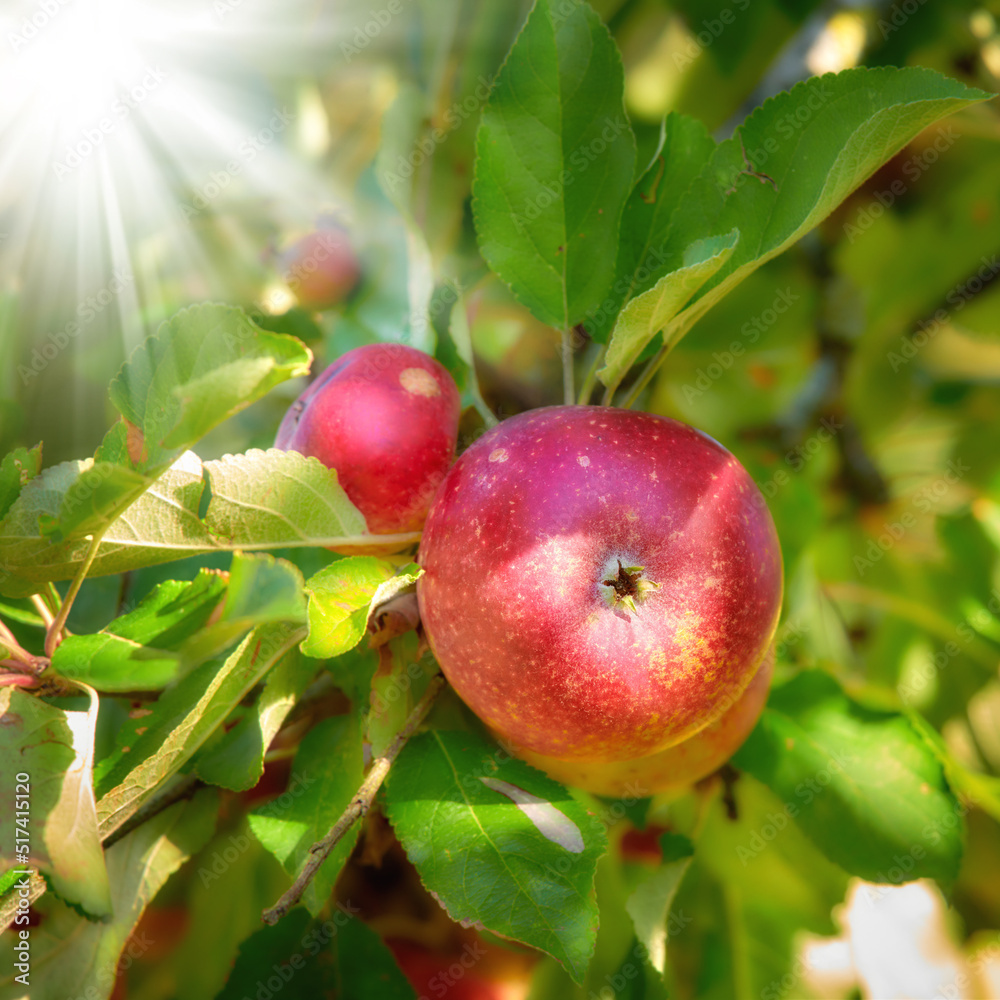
{"x": 550, "y": 822}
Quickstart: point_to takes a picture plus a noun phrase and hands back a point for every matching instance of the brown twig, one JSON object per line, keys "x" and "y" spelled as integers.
{"x": 359, "y": 805}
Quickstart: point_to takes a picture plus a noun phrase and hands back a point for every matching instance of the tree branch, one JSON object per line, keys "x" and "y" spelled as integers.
{"x": 359, "y": 805}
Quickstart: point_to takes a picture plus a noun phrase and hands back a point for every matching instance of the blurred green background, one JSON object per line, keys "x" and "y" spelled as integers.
{"x": 865, "y": 403}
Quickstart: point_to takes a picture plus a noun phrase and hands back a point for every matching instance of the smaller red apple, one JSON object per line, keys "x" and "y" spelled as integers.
{"x": 385, "y": 416}
{"x": 678, "y": 766}
{"x": 475, "y": 970}
{"x": 321, "y": 268}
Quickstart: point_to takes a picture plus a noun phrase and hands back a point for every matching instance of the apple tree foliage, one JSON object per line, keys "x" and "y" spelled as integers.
{"x": 147, "y": 720}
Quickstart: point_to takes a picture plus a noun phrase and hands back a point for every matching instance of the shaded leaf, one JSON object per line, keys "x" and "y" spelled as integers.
{"x": 154, "y": 747}
{"x": 17, "y": 468}
{"x": 483, "y": 857}
{"x": 203, "y": 364}
{"x": 862, "y": 784}
{"x": 650, "y": 902}
{"x": 72, "y": 956}
{"x": 55, "y": 749}
{"x": 327, "y": 772}
{"x": 795, "y": 159}
{"x": 684, "y": 148}
{"x": 236, "y": 761}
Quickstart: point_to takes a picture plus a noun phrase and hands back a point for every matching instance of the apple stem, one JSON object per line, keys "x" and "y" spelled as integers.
{"x": 591, "y": 380}
{"x": 647, "y": 376}
{"x": 359, "y": 805}
{"x": 567, "y": 363}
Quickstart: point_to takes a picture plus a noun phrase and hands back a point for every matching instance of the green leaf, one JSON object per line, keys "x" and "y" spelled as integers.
{"x": 258, "y": 500}
{"x": 204, "y": 364}
{"x": 795, "y": 159}
{"x": 352, "y": 673}
{"x": 327, "y": 772}
{"x": 526, "y": 871}
{"x": 236, "y": 761}
{"x": 983, "y": 790}
{"x": 366, "y": 967}
{"x": 154, "y": 747}
{"x": 55, "y": 749}
{"x": 223, "y": 905}
{"x": 863, "y": 784}
{"x": 261, "y": 589}
{"x": 74, "y": 957}
{"x": 339, "y": 598}
{"x": 93, "y": 500}
{"x": 650, "y": 902}
{"x": 649, "y": 312}
{"x": 681, "y": 154}
{"x": 289, "y": 946}
{"x": 17, "y": 468}
{"x": 340, "y": 956}
{"x": 403, "y": 581}
{"x": 554, "y": 162}
{"x": 139, "y": 650}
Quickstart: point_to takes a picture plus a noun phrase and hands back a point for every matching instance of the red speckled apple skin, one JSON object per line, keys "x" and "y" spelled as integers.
{"x": 385, "y": 416}
{"x": 678, "y": 767}
{"x": 523, "y": 532}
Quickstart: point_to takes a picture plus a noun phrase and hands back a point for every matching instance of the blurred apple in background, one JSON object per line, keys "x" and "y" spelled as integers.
{"x": 322, "y": 268}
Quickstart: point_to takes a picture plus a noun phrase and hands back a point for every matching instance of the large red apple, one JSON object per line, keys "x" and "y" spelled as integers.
{"x": 677, "y": 767}
{"x": 321, "y": 268}
{"x": 385, "y": 416}
{"x": 599, "y": 584}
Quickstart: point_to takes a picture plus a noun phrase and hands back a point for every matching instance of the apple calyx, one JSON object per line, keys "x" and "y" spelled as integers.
{"x": 627, "y": 587}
